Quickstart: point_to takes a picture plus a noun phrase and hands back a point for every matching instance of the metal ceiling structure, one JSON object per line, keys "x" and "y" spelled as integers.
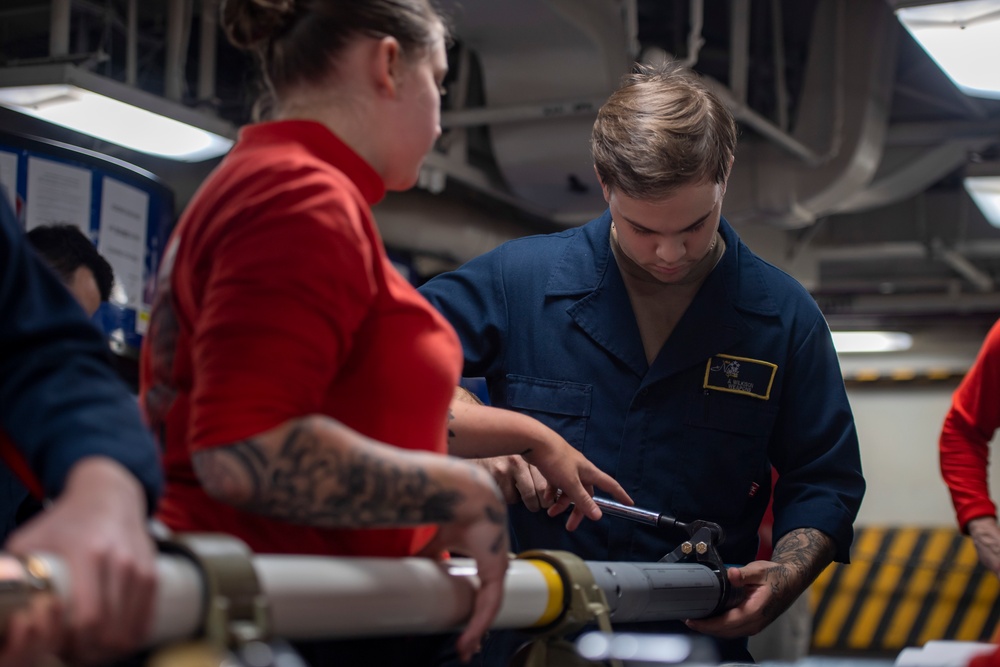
{"x": 852, "y": 149}
{"x": 848, "y": 173}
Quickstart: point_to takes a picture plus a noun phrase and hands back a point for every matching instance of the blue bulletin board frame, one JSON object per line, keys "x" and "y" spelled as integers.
{"x": 123, "y": 325}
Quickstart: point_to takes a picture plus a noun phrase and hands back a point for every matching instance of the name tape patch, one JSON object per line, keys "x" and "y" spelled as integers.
{"x": 740, "y": 375}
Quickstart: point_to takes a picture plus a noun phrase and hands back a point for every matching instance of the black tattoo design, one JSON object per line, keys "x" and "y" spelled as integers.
{"x": 451, "y": 418}
{"x": 307, "y": 482}
{"x": 806, "y": 550}
{"x": 799, "y": 556}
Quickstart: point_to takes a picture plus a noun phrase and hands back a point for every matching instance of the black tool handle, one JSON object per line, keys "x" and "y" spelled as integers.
{"x": 627, "y": 511}
{"x": 638, "y": 514}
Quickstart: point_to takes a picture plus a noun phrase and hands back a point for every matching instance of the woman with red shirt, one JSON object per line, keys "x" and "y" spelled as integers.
{"x": 301, "y": 389}
{"x": 964, "y": 445}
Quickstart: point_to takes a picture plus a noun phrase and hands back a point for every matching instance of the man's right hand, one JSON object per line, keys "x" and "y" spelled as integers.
{"x": 985, "y": 534}
{"x": 519, "y": 481}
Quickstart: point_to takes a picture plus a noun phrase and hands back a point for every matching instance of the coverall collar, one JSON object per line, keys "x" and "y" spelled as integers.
{"x": 712, "y": 323}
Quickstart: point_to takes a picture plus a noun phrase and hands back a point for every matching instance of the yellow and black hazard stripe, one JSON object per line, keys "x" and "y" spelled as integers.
{"x": 904, "y": 587}
{"x": 869, "y": 377}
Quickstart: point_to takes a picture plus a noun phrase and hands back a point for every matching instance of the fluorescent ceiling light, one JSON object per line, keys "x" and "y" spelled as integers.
{"x": 114, "y": 112}
{"x": 963, "y": 38}
{"x": 985, "y": 191}
{"x": 871, "y": 341}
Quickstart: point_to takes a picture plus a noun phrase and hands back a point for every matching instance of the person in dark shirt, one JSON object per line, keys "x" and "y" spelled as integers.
{"x": 675, "y": 359}
{"x": 89, "y": 278}
{"x": 71, "y": 429}
{"x": 84, "y": 272}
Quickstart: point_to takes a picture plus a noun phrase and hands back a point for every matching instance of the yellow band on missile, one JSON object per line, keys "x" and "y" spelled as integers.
{"x": 554, "y": 585}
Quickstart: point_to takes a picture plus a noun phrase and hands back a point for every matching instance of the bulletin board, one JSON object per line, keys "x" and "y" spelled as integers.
{"x": 126, "y": 211}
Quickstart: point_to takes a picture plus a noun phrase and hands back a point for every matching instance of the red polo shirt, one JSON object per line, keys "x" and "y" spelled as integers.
{"x": 967, "y": 431}
{"x": 277, "y": 301}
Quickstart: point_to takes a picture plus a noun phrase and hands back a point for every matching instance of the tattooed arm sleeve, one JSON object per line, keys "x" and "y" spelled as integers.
{"x": 800, "y": 556}
{"x": 316, "y": 471}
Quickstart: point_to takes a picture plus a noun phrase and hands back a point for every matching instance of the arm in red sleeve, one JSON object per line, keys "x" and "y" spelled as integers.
{"x": 968, "y": 428}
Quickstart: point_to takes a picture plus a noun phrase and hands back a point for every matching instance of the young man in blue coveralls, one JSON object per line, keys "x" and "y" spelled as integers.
{"x": 679, "y": 362}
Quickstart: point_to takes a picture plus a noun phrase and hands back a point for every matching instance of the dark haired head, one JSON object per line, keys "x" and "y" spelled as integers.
{"x": 65, "y": 248}
{"x": 297, "y": 41}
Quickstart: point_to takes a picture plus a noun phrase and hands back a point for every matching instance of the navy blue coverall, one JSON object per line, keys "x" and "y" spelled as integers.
{"x": 748, "y": 379}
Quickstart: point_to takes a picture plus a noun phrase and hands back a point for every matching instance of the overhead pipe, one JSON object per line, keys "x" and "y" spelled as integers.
{"x": 837, "y": 127}
{"x": 736, "y": 97}
{"x": 777, "y": 133}
{"x": 630, "y": 14}
{"x": 471, "y": 117}
{"x": 763, "y": 126}
{"x": 456, "y": 143}
{"x": 778, "y": 50}
{"x": 695, "y": 40}
{"x": 978, "y": 248}
{"x": 926, "y": 133}
{"x": 178, "y": 19}
{"x": 939, "y": 305}
{"x": 59, "y": 26}
{"x": 132, "y": 43}
{"x": 916, "y": 168}
{"x": 23, "y": 11}
{"x": 780, "y": 192}
{"x": 207, "y": 50}
{"x": 962, "y": 266}
{"x": 739, "y": 49}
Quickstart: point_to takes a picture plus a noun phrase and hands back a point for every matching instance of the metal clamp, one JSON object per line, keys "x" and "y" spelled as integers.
{"x": 701, "y": 545}
{"x": 584, "y": 603}
{"x": 236, "y": 610}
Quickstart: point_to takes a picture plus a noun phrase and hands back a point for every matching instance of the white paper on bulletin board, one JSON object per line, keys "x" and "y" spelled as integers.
{"x": 8, "y": 177}
{"x": 122, "y": 240}
{"x": 58, "y": 194}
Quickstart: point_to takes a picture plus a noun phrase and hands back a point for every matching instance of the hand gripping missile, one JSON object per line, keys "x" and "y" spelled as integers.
{"x": 212, "y": 587}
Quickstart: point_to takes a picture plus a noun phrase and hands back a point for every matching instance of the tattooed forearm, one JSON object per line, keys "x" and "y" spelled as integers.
{"x": 799, "y": 557}
{"x": 461, "y": 395}
{"x": 306, "y": 481}
{"x": 806, "y": 551}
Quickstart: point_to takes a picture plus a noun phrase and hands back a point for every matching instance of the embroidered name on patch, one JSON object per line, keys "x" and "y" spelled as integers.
{"x": 739, "y": 375}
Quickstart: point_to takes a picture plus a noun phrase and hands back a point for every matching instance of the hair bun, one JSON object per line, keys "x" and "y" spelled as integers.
{"x": 249, "y": 22}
